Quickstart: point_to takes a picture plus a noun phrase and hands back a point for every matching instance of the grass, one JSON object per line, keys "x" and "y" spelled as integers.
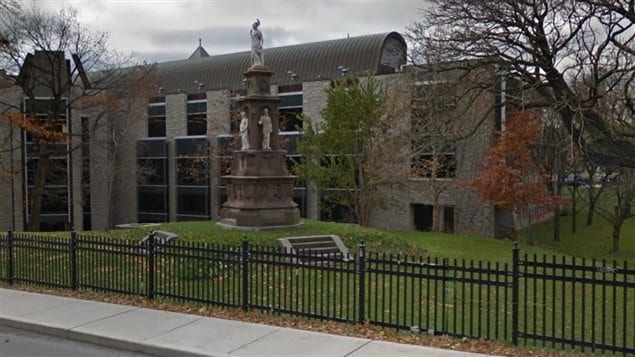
{"x": 461, "y": 306}
{"x": 588, "y": 242}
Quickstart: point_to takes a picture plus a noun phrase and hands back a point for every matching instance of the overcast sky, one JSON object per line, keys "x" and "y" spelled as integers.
{"x": 161, "y": 30}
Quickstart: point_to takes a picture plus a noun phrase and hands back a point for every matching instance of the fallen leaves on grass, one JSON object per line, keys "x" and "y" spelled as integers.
{"x": 354, "y": 330}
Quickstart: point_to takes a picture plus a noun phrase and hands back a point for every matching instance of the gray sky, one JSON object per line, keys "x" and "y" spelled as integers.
{"x": 160, "y": 30}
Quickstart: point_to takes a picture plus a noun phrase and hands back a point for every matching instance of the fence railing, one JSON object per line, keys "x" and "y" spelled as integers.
{"x": 585, "y": 305}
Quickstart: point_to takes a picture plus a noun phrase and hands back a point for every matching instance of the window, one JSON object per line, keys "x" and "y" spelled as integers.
{"x": 192, "y": 178}
{"x": 57, "y": 174}
{"x": 197, "y": 117}
{"x": 54, "y": 200}
{"x": 289, "y": 110}
{"x": 153, "y": 199}
{"x": 193, "y": 201}
{"x": 434, "y": 164}
{"x": 192, "y": 171}
{"x": 422, "y": 216}
{"x": 156, "y": 119}
{"x": 152, "y": 188}
{"x": 433, "y": 124}
{"x": 52, "y": 113}
{"x": 152, "y": 171}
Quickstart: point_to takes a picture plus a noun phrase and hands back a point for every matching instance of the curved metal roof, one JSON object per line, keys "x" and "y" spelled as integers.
{"x": 310, "y": 61}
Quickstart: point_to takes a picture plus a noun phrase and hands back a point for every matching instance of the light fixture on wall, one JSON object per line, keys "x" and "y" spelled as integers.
{"x": 292, "y": 75}
{"x": 199, "y": 84}
{"x": 343, "y": 71}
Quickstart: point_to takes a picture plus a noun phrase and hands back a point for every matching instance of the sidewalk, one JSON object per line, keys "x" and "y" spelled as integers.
{"x": 164, "y": 333}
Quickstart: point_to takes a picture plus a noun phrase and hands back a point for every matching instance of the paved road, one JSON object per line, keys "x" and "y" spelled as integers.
{"x": 20, "y": 343}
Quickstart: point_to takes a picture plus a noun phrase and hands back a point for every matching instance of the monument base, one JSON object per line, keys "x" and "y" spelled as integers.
{"x": 255, "y": 220}
{"x": 254, "y": 201}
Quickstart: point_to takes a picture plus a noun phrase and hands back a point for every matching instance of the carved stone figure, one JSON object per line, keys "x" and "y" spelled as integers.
{"x": 257, "y": 56}
{"x": 244, "y": 130}
{"x": 267, "y": 128}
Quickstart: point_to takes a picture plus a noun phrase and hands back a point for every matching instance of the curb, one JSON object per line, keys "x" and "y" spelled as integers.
{"x": 130, "y": 346}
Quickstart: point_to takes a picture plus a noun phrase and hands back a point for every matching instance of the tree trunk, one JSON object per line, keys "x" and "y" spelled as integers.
{"x": 574, "y": 211}
{"x": 515, "y": 225}
{"x": 436, "y": 214}
{"x": 556, "y": 224}
{"x": 556, "y": 217}
{"x": 617, "y": 227}
{"x": 589, "y": 216}
{"x": 37, "y": 192}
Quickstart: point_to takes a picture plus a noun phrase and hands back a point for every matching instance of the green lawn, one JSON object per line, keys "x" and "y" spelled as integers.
{"x": 588, "y": 242}
{"x": 394, "y": 291}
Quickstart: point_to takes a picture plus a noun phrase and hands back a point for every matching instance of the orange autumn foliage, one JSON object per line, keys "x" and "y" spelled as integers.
{"x": 38, "y": 129}
{"x": 510, "y": 177}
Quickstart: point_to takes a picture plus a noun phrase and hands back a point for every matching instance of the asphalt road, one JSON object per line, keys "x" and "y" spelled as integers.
{"x": 19, "y": 343}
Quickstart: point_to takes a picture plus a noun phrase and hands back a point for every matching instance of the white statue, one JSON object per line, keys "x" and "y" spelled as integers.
{"x": 244, "y": 130}
{"x": 257, "y": 56}
{"x": 267, "y": 128}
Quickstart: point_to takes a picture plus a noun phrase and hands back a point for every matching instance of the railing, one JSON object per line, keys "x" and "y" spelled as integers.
{"x": 584, "y": 305}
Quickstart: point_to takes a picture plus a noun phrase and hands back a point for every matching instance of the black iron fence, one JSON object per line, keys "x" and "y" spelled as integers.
{"x": 564, "y": 303}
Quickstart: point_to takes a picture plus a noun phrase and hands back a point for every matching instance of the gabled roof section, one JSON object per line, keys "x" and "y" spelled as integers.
{"x": 199, "y": 52}
{"x": 375, "y": 54}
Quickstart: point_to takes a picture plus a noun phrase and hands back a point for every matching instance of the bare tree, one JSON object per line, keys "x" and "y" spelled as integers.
{"x": 549, "y": 45}
{"x": 436, "y": 126}
{"x": 553, "y": 151}
{"x": 620, "y": 207}
{"x": 117, "y": 114}
{"x": 35, "y": 47}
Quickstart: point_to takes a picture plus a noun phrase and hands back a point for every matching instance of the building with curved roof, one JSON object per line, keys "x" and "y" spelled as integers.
{"x": 376, "y": 54}
{"x": 193, "y": 110}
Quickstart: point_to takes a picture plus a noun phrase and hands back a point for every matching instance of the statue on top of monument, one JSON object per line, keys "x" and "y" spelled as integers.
{"x": 257, "y": 56}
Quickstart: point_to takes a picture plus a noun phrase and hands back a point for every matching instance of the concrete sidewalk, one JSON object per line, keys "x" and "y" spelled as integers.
{"x": 164, "y": 333}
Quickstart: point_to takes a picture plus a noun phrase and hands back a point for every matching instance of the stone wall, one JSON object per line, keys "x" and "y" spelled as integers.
{"x": 218, "y": 115}
{"x": 313, "y": 100}
{"x": 471, "y": 216}
{"x": 11, "y": 168}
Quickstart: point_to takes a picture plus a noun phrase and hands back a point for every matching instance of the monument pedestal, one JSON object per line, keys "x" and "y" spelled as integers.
{"x": 259, "y": 189}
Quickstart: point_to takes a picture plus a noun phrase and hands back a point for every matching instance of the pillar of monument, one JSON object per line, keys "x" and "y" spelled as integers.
{"x": 260, "y": 188}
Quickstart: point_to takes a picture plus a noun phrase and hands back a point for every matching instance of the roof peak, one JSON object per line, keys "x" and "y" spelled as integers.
{"x": 199, "y": 52}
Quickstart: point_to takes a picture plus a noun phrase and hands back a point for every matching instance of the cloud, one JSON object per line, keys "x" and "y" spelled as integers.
{"x": 161, "y": 30}
{"x": 222, "y": 37}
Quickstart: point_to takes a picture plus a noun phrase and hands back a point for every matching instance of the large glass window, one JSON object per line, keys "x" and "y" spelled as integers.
{"x": 156, "y": 119}
{"x": 192, "y": 178}
{"x": 197, "y": 117}
{"x": 52, "y": 114}
{"x": 153, "y": 199}
{"x": 193, "y": 201}
{"x": 152, "y": 171}
{"x": 57, "y": 174}
{"x": 152, "y": 180}
{"x": 289, "y": 110}
{"x": 434, "y": 122}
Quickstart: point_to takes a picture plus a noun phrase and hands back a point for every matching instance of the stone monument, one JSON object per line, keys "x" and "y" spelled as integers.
{"x": 260, "y": 188}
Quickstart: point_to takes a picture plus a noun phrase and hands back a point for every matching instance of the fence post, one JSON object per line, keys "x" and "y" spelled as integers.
{"x": 10, "y": 255}
{"x": 150, "y": 261}
{"x": 73, "y": 253}
{"x": 515, "y": 297}
{"x": 361, "y": 262}
{"x": 245, "y": 272}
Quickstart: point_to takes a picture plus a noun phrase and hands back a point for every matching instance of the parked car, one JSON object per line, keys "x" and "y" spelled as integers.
{"x": 575, "y": 180}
